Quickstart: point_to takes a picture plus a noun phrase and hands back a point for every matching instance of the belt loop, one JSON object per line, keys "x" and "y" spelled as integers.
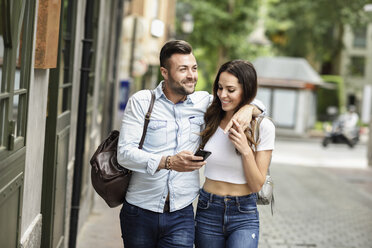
{"x": 210, "y": 197}
{"x": 237, "y": 200}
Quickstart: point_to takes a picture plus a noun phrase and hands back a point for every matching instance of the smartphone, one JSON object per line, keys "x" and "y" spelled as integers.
{"x": 203, "y": 153}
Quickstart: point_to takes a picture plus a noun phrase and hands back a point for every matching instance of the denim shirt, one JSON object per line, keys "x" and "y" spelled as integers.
{"x": 172, "y": 129}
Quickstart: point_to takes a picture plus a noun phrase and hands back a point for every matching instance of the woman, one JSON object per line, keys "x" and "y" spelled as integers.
{"x": 227, "y": 213}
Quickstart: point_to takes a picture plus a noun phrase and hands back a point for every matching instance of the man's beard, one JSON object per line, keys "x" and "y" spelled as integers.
{"x": 179, "y": 88}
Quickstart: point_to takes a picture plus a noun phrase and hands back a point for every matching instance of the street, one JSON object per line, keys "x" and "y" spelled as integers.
{"x": 315, "y": 207}
{"x": 323, "y": 198}
{"x": 310, "y": 152}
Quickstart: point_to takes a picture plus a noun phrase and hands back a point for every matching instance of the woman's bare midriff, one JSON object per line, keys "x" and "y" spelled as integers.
{"x": 225, "y": 188}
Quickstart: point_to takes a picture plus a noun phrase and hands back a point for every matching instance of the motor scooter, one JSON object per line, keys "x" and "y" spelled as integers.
{"x": 336, "y": 134}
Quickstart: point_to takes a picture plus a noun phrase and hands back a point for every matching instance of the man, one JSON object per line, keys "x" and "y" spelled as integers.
{"x": 349, "y": 121}
{"x": 158, "y": 209}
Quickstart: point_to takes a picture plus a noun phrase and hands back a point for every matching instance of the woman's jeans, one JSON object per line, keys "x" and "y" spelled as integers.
{"x": 142, "y": 228}
{"x": 226, "y": 221}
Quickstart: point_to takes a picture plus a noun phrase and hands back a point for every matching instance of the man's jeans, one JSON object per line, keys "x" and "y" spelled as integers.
{"x": 229, "y": 221}
{"x": 142, "y": 228}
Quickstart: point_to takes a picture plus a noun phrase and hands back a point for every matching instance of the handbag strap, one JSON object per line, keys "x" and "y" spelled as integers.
{"x": 257, "y": 128}
{"x": 257, "y": 137}
{"x": 147, "y": 119}
{"x": 257, "y": 134}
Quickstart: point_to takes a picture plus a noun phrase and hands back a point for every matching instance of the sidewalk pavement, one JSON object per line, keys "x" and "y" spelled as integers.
{"x": 102, "y": 229}
{"x": 315, "y": 206}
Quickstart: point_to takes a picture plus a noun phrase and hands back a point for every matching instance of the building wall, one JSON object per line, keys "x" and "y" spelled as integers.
{"x": 306, "y": 112}
{"x": 31, "y": 217}
{"x": 292, "y": 110}
{"x": 355, "y": 85}
{"x": 38, "y": 96}
{"x": 145, "y": 57}
{"x": 74, "y": 111}
{"x": 102, "y": 56}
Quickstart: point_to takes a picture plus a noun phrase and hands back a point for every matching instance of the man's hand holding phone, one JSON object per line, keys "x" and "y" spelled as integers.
{"x": 203, "y": 153}
{"x": 186, "y": 161}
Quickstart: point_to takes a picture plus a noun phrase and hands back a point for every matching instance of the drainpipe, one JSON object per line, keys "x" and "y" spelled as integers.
{"x": 81, "y": 121}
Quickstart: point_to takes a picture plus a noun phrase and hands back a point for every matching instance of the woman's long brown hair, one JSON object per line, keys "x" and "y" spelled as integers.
{"x": 247, "y": 77}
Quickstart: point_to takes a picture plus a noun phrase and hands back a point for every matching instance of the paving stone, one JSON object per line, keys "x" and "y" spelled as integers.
{"x": 314, "y": 208}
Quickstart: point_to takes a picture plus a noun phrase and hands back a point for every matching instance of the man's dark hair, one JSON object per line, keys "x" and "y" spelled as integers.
{"x": 173, "y": 47}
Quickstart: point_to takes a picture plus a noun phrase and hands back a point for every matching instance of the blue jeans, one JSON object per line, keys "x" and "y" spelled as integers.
{"x": 147, "y": 229}
{"x": 226, "y": 221}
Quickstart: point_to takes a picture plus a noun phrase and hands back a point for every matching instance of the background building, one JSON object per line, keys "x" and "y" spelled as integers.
{"x": 287, "y": 86}
{"x": 355, "y": 61}
{"x": 147, "y": 25}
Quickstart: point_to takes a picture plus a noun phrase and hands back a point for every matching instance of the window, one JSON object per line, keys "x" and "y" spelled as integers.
{"x": 285, "y": 99}
{"x": 357, "y": 65}
{"x": 360, "y": 37}
{"x": 14, "y": 76}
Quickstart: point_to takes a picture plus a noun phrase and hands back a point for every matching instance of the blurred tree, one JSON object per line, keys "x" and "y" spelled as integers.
{"x": 313, "y": 29}
{"x": 221, "y": 30}
{"x": 331, "y": 97}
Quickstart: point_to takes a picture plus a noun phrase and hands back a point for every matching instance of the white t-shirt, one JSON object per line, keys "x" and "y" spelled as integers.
{"x": 224, "y": 164}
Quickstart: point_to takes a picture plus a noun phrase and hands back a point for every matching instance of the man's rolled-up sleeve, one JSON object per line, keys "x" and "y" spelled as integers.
{"x": 259, "y": 105}
{"x": 128, "y": 153}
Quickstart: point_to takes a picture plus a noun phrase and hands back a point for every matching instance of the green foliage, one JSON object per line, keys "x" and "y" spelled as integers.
{"x": 319, "y": 125}
{"x": 331, "y": 97}
{"x": 312, "y": 29}
{"x": 299, "y": 28}
{"x": 221, "y": 30}
{"x": 326, "y": 98}
{"x": 338, "y": 80}
{"x": 202, "y": 84}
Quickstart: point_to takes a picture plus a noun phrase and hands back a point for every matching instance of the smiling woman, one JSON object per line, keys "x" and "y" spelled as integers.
{"x": 237, "y": 167}
{"x": 229, "y": 92}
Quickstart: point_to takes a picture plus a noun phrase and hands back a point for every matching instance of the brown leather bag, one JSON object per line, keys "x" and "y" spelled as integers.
{"x": 109, "y": 179}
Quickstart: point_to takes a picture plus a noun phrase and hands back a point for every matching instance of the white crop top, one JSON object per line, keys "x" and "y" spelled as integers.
{"x": 224, "y": 164}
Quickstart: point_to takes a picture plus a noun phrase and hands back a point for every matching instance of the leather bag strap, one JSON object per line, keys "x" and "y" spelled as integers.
{"x": 147, "y": 119}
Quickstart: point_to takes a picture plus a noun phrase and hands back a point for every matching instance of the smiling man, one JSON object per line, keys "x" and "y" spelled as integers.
{"x": 180, "y": 74}
{"x": 158, "y": 208}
